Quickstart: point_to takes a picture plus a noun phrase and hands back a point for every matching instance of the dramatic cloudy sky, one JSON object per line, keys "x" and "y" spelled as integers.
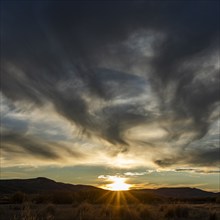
{"x": 94, "y": 89}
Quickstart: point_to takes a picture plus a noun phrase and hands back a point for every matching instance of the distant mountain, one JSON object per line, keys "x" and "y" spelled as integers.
{"x": 184, "y": 192}
{"x": 40, "y": 184}
{"x": 179, "y": 192}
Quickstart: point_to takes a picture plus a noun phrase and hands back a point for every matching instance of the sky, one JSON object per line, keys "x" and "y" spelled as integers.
{"x": 92, "y": 90}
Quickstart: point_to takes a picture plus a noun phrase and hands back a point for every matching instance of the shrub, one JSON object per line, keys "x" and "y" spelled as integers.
{"x": 213, "y": 216}
{"x": 62, "y": 198}
{"x": 41, "y": 198}
{"x": 123, "y": 212}
{"x": 128, "y": 214}
{"x": 27, "y": 213}
{"x": 50, "y": 209}
{"x": 85, "y": 211}
{"x": 18, "y": 198}
{"x": 217, "y": 200}
{"x": 106, "y": 212}
{"x": 48, "y": 212}
{"x": 178, "y": 211}
{"x": 145, "y": 212}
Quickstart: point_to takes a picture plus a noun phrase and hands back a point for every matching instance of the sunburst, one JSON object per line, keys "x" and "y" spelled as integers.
{"x": 118, "y": 184}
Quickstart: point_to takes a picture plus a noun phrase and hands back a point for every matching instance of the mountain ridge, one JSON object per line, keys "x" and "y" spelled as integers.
{"x": 43, "y": 184}
{"x": 39, "y": 184}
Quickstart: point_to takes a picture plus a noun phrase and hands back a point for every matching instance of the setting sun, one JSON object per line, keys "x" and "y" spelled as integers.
{"x": 118, "y": 184}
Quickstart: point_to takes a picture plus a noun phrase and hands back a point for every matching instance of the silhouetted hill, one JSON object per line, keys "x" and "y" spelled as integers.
{"x": 179, "y": 192}
{"x": 40, "y": 184}
{"x": 184, "y": 192}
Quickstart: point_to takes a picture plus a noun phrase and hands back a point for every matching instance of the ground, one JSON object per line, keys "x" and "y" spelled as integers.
{"x": 86, "y": 211}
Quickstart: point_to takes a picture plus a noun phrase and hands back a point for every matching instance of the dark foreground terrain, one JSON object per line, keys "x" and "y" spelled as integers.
{"x": 44, "y": 199}
{"x": 86, "y": 211}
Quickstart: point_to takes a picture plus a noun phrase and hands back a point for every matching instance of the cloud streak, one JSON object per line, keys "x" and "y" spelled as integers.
{"x": 145, "y": 81}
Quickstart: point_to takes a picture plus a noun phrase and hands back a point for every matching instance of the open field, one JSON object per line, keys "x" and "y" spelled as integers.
{"x": 86, "y": 211}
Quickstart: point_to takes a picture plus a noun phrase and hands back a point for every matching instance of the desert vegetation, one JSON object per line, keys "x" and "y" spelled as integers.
{"x": 87, "y": 211}
{"x": 94, "y": 205}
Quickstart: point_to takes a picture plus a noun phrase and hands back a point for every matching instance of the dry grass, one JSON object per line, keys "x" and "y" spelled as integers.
{"x": 177, "y": 212}
{"x": 86, "y": 211}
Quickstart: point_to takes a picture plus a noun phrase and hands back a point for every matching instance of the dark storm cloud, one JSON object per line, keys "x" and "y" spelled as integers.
{"x": 53, "y": 51}
{"x": 13, "y": 142}
{"x": 200, "y": 157}
{"x": 117, "y": 119}
{"x": 28, "y": 144}
{"x": 207, "y": 157}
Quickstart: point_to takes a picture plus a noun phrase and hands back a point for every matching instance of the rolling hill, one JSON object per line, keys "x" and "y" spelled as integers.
{"x": 42, "y": 184}
{"x": 39, "y": 184}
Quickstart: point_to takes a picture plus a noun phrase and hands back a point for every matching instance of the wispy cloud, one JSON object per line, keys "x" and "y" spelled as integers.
{"x": 196, "y": 170}
{"x": 135, "y": 173}
{"x": 140, "y": 88}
